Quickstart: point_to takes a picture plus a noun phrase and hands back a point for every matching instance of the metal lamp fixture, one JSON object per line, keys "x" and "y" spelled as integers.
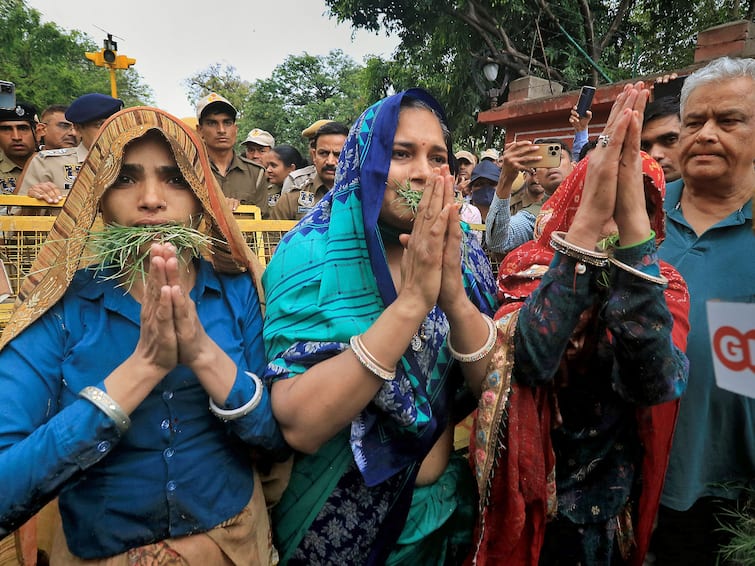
{"x": 490, "y": 70}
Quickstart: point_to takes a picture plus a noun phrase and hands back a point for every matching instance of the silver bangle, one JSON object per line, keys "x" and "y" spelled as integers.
{"x": 660, "y": 279}
{"x": 368, "y": 360}
{"x": 233, "y": 414}
{"x": 593, "y": 257}
{"x": 482, "y": 352}
{"x": 107, "y": 405}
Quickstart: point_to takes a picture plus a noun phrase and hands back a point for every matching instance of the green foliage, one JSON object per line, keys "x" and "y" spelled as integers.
{"x": 302, "y": 89}
{"x": 445, "y": 44}
{"x": 48, "y": 66}
{"x": 740, "y": 525}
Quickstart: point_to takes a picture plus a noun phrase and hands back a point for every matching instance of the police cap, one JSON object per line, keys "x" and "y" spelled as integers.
{"x": 22, "y": 112}
{"x": 91, "y": 107}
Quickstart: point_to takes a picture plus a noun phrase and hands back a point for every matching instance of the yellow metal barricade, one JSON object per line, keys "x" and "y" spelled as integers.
{"x": 263, "y": 236}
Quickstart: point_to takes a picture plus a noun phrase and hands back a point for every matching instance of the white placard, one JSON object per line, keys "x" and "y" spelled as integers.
{"x": 732, "y": 338}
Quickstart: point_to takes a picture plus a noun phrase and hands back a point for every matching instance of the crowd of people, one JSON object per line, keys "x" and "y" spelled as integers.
{"x": 174, "y": 403}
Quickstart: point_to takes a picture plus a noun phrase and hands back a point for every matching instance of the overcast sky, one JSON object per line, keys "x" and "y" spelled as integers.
{"x": 172, "y": 40}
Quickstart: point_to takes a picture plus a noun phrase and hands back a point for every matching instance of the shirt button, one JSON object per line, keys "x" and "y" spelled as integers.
{"x": 169, "y": 452}
{"x": 167, "y": 395}
{"x": 103, "y": 446}
{"x": 171, "y": 485}
{"x": 165, "y": 425}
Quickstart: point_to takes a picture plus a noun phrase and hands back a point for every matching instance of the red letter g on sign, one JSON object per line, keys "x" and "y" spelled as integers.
{"x": 733, "y": 349}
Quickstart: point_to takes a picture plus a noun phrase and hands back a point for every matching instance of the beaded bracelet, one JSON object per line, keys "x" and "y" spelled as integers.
{"x": 233, "y": 414}
{"x": 660, "y": 279}
{"x": 368, "y": 360}
{"x": 583, "y": 255}
{"x": 482, "y": 352}
{"x": 107, "y": 405}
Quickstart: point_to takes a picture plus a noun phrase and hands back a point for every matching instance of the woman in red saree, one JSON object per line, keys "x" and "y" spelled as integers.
{"x": 577, "y": 411}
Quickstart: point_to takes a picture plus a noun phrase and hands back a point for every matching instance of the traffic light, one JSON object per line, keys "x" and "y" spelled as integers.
{"x": 108, "y": 57}
{"x": 123, "y": 62}
{"x": 96, "y": 58}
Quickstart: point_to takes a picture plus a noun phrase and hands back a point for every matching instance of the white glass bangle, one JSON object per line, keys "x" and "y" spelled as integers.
{"x": 659, "y": 279}
{"x": 107, "y": 405}
{"x": 368, "y": 360}
{"x": 245, "y": 409}
{"x": 482, "y": 352}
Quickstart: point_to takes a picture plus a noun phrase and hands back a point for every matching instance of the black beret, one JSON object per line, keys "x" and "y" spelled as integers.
{"x": 22, "y": 112}
{"x": 91, "y": 107}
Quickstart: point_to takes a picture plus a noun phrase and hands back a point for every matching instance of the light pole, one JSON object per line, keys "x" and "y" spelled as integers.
{"x": 490, "y": 70}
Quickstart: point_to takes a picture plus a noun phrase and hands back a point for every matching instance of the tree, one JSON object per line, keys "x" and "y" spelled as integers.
{"x": 302, "y": 89}
{"x": 573, "y": 42}
{"x": 47, "y": 64}
{"x": 226, "y": 81}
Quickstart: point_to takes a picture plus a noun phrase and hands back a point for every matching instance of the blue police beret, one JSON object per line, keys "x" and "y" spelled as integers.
{"x": 21, "y": 112}
{"x": 91, "y": 107}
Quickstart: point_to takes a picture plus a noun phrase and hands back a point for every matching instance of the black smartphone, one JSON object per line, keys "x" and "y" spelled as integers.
{"x": 585, "y": 100}
{"x": 672, "y": 88}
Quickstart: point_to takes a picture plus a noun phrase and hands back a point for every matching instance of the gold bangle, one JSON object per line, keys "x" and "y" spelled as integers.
{"x": 368, "y": 360}
{"x": 107, "y": 405}
{"x": 482, "y": 352}
{"x": 593, "y": 257}
{"x": 659, "y": 279}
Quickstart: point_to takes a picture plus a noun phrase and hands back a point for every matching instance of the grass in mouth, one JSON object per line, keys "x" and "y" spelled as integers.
{"x": 410, "y": 197}
{"x": 127, "y": 247}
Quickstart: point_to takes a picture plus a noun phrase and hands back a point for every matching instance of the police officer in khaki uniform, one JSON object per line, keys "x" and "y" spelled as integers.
{"x": 18, "y": 143}
{"x": 50, "y": 175}
{"x": 328, "y": 143}
{"x": 257, "y": 145}
{"x": 298, "y": 178}
{"x": 242, "y": 180}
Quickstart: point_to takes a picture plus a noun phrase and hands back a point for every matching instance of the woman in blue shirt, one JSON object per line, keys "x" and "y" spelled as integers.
{"x": 106, "y": 386}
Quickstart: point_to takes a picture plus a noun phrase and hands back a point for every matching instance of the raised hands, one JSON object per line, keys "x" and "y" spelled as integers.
{"x": 614, "y": 167}
{"x": 171, "y": 332}
{"x": 423, "y": 265}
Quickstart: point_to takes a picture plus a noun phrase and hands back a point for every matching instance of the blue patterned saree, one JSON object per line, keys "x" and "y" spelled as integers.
{"x": 327, "y": 281}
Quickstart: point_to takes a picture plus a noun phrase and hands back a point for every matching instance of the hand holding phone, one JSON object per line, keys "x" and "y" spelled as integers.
{"x": 7, "y": 95}
{"x": 550, "y": 153}
{"x": 585, "y": 100}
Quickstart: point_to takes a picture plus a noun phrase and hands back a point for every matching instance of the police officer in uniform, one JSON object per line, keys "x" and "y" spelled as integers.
{"x": 50, "y": 175}
{"x": 328, "y": 143}
{"x": 257, "y": 144}
{"x": 296, "y": 179}
{"x": 242, "y": 180}
{"x": 18, "y": 143}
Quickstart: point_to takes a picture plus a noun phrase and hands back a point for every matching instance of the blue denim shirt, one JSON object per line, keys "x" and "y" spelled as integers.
{"x": 178, "y": 469}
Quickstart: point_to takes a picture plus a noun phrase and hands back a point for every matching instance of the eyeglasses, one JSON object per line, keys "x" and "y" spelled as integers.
{"x": 65, "y": 126}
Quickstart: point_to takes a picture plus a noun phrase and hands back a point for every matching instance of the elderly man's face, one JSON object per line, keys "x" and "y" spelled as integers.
{"x": 718, "y": 127}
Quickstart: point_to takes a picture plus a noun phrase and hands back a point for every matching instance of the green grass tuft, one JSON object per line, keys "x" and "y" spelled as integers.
{"x": 127, "y": 247}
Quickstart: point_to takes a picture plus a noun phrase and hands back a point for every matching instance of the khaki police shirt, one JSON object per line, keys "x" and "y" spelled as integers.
{"x": 273, "y": 194}
{"x": 57, "y": 166}
{"x": 297, "y": 203}
{"x": 9, "y": 175}
{"x": 245, "y": 181}
{"x": 297, "y": 179}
